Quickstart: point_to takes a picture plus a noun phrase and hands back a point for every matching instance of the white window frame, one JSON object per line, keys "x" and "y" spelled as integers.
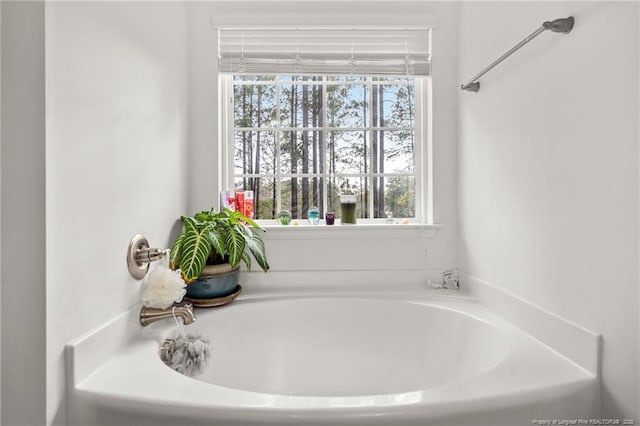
{"x": 422, "y": 154}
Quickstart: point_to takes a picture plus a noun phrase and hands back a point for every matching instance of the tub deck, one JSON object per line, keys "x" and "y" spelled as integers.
{"x": 133, "y": 386}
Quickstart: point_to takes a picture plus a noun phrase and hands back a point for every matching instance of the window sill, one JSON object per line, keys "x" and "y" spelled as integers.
{"x": 275, "y": 231}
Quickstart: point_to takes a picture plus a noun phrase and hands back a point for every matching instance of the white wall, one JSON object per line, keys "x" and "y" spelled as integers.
{"x": 0, "y": 203}
{"x": 23, "y": 214}
{"x": 548, "y": 170}
{"x": 403, "y": 253}
{"x": 116, "y": 136}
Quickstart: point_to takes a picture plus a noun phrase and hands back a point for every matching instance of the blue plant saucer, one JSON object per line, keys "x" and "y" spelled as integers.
{"x": 217, "y": 301}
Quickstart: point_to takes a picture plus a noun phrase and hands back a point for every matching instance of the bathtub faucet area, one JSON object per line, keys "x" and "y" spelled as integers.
{"x": 151, "y": 315}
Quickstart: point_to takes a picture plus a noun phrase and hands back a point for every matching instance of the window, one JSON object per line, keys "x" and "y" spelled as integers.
{"x": 300, "y": 139}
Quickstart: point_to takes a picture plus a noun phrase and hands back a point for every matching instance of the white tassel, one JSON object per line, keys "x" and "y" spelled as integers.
{"x": 162, "y": 288}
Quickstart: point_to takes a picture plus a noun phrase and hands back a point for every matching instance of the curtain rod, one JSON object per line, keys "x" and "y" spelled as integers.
{"x": 561, "y": 25}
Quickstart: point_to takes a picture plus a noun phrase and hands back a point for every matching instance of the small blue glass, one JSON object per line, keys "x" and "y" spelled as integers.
{"x": 313, "y": 215}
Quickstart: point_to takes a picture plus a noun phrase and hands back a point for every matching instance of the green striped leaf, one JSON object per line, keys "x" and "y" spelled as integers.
{"x": 256, "y": 246}
{"x": 174, "y": 254}
{"x": 216, "y": 237}
{"x": 195, "y": 248}
{"x": 247, "y": 260}
{"x": 235, "y": 244}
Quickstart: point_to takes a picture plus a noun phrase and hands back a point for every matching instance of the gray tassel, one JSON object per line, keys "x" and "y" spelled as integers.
{"x": 191, "y": 355}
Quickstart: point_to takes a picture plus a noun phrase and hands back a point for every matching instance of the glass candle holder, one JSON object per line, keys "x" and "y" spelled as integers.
{"x": 330, "y": 218}
{"x": 313, "y": 215}
{"x": 347, "y": 209}
{"x": 284, "y": 217}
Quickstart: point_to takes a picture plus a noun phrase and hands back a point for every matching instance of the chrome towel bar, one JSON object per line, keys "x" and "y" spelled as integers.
{"x": 561, "y": 25}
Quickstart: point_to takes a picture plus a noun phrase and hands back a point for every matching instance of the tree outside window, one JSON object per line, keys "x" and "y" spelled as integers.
{"x": 300, "y": 141}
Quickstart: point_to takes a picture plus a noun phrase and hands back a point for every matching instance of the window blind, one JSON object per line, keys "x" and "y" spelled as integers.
{"x": 327, "y": 50}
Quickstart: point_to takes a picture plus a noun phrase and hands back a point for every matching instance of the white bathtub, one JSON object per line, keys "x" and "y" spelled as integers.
{"x": 337, "y": 358}
{"x": 347, "y": 346}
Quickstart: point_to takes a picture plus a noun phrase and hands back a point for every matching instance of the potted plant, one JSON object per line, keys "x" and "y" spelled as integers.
{"x": 209, "y": 252}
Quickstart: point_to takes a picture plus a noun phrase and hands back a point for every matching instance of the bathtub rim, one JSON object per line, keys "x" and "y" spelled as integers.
{"x": 97, "y": 385}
